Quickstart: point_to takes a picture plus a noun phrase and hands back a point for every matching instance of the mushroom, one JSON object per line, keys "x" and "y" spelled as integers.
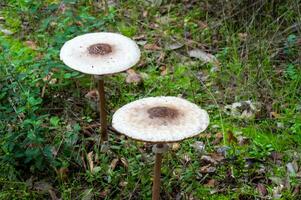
{"x": 160, "y": 120}
{"x": 100, "y": 54}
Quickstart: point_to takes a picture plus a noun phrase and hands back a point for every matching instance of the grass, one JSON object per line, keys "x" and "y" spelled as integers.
{"x": 48, "y": 130}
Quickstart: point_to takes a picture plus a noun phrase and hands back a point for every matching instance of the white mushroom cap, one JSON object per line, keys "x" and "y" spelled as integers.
{"x": 160, "y": 119}
{"x": 100, "y": 53}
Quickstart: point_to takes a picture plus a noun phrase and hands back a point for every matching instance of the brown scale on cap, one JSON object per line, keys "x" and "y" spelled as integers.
{"x": 99, "y": 49}
{"x": 162, "y": 112}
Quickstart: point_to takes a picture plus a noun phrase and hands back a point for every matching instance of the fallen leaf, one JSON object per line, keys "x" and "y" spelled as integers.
{"x": 199, "y": 146}
{"x": 274, "y": 115}
{"x": 208, "y": 160}
{"x": 243, "y": 109}
{"x": 290, "y": 168}
{"x": 218, "y": 138}
{"x": 133, "y": 77}
{"x": 53, "y": 195}
{"x": 42, "y": 186}
{"x": 242, "y": 36}
{"x": 161, "y": 57}
{"x": 62, "y": 173}
{"x": 223, "y": 150}
{"x": 207, "y": 169}
{"x": 174, "y": 46}
{"x": 186, "y": 158}
{"x": 277, "y": 191}
{"x": 205, "y": 135}
{"x": 210, "y": 183}
{"x": 124, "y": 162}
{"x": 141, "y": 42}
{"x": 202, "y": 24}
{"x": 139, "y": 37}
{"x": 152, "y": 47}
{"x": 123, "y": 183}
{"x": 92, "y": 95}
{"x": 217, "y": 157}
{"x": 276, "y": 156}
{"x": 242, "y": 140}
{"x": 114, "y": 163}
{"x": 145, "y": 13}
{"x": 262, "y": 190}
{"x": 87, "y": 194}
{"x": 104, "y": 193}
{"x": 164, "y": 70}
{"x": 31, "y": 44}
{"x": 205, "y": 57}
{"x": 90, "y": 161}
{"x": 175, "y": 146}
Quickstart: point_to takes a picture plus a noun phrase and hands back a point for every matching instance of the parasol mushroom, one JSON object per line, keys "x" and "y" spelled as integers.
{"x": 100, "y": 54}
{"x": 160, "y": 120}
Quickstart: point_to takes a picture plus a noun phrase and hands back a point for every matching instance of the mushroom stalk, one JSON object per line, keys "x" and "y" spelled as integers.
{"x": 102, "y": 112}
{"x": 157, "y": 174}
{"x": 158, "y": 149}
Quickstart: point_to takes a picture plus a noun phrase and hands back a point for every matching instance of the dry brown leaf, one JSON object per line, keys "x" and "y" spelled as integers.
{"x": 276, "y": 156}
{"x": 231, "y": 138}
{"x": 114, "y": 163}
{"x": 274, "y": 115}
{"x": 205, "y": 135}
{"x": 133, "y": 77}
{"x": 123, "y": 183}
{"x": 62, "y": 173}
{"x": 145, "y": 13}
{"x": 217, "y": 157}
{"x": 262, "y": 190}
{"x": 164, "y": 70}
{"x": 202, "y": 25}
{"x": 186, "y": 158}
{"x": 242, "y": 36}
{"x": 175, "y": 146}
{"x": 92, "y": 95}
{"x": 31, "y": 44}
{"x": 124, "y": 162}
{"x": 161, "y": 57}
{"x": 211, "y": 183}
{"x": 152, "y": 47}
{"x": 207, "y": 169}
{"x": 139, "y": 37}
{"x": 42, "y": 186}
{"x": 90, "y": 161}
{"x": 53, "y": 195}
{"x": 218, "y": 138}
{"x": 208, "y": 160}
{"x": 48, "y": 77}
{"x": 205, "y": 57}
{"x": 199, "y": 146}
{"x": 104, "y": 193}
{"x": 243, "y": 140}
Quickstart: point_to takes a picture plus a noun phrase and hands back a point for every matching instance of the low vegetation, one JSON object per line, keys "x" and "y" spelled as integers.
{"x": 239, "y": 60}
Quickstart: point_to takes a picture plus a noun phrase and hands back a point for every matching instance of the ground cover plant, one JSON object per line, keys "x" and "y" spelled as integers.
{"x": 238, "y": 60}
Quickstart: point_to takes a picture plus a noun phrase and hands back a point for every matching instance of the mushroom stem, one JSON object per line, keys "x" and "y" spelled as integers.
{"x": 102, "y": 112}
{"x": 157, "y": 174}
{"x": 158, "y": 149}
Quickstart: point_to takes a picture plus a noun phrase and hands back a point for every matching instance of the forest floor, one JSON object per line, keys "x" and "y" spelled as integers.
{"x": 239, "y": 61}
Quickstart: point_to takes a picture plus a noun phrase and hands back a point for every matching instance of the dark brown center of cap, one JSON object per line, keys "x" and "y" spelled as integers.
{"x": 99, "y": 49}
{"x": 162, "y": 112}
